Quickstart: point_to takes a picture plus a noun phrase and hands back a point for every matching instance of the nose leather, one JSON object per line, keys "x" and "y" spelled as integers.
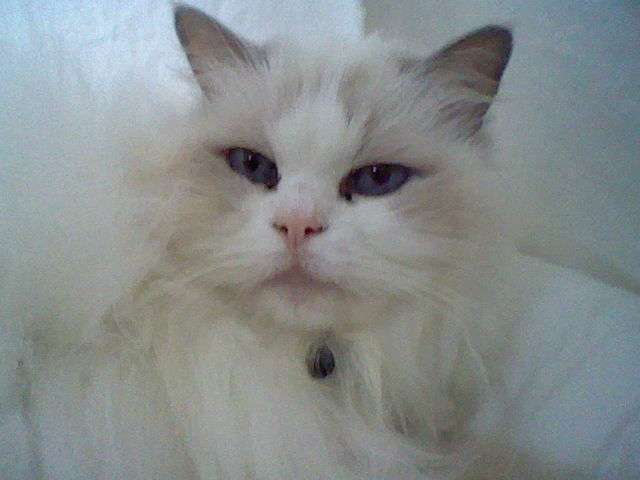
{"x": 296, "y": 228}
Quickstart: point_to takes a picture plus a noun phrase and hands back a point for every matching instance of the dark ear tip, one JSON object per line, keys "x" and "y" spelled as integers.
{"x": 501, "y": 31}
{"x": 181, "y": 14}
{"x": 498, "y": 38}
{"x": 502, "y": 35}
{"x": 181, "y": 9}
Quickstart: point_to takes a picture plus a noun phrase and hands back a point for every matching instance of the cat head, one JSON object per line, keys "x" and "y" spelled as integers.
{"x": 329, "y": 182}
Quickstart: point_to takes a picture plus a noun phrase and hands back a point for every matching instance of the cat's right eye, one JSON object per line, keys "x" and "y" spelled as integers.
{"x": 253, "y": 165}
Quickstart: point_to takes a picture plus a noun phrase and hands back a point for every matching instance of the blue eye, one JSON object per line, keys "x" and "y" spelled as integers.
{"x": 254, "y": 166}
{"x": 375, "y": 180}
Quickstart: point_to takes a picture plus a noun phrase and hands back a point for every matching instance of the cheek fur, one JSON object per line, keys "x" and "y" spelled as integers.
{"x": 388, "y": 245}
{"x": 435, "y": 205}
{"x": 218, "y": 229}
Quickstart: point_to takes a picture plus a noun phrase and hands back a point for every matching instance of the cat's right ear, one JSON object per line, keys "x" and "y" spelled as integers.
{"x": 210, "y": 46}
{"x": 465, "y": 76}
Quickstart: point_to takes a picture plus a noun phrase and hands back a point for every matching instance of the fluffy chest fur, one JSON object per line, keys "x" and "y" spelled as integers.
{"x": 249, "y": 408}
{"x": 399, "y": 404}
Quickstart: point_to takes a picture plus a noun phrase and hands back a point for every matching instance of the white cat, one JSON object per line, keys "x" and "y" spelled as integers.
{"x": 333, "y": 290}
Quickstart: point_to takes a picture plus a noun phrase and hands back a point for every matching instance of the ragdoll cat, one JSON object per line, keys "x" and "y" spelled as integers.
{"x": 330, "y": 295}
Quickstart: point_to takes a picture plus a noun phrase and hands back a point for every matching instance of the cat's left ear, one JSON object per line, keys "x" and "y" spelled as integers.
{"x": 209, "y": 46}
{"x": 465, "y": 76}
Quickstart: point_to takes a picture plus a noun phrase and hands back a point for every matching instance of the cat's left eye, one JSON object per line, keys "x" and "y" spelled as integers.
{"x": 254, "y": 166}
{"x": 375, "y": 180}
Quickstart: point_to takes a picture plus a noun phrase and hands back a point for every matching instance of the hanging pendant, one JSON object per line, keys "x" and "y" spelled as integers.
{"x": 320, "y": 362}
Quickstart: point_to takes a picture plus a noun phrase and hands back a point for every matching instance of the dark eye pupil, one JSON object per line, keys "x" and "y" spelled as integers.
{"x": 251, "y": 163}
{"x": 380, "y": 174}
{"x": 254, "y": 166}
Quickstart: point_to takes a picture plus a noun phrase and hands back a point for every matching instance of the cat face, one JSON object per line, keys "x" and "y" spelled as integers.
{"x": 328, "y": 187}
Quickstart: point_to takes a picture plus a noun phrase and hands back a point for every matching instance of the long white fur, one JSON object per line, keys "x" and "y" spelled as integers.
{"x": 196, "y": 373}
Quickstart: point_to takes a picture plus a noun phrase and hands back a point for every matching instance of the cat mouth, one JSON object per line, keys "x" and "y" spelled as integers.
{"x": 299, "y": 281}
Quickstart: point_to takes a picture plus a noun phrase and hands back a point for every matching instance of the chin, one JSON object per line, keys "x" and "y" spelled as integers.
{"x": 300, "y": 301}
{"x": 297, "y": 300}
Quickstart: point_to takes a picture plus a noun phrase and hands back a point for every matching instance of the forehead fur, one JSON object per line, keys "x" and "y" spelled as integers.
{"x": 342, "y": 101}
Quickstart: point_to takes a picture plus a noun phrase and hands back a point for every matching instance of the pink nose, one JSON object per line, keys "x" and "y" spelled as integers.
{"x": 296, "y": 229}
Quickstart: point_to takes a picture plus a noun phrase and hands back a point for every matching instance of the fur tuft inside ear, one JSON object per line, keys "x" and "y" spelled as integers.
{"x": 210, "y": 45}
